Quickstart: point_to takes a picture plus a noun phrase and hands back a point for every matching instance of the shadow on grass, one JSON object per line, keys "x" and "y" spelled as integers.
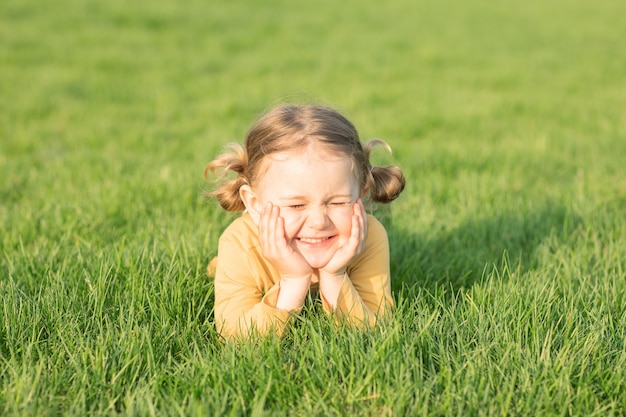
{"x": 459, "y": 257}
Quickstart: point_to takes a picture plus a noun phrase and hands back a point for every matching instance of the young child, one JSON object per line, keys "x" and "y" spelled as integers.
{"x": 301, "y": 181}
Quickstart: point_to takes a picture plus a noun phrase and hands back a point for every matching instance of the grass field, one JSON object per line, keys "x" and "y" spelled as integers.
{"x": 508, "y": 244}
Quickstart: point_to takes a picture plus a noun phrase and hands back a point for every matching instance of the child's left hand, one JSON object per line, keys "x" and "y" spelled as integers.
{"x": 353, "y": 246}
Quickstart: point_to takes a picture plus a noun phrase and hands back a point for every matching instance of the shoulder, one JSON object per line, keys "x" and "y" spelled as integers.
{"x": 242, "y": 232}
{"x": 377, "y": 240}
{"x": 375, "y": 229}
{"x": 238, "y": 251}
{"x": 375, "y": 258}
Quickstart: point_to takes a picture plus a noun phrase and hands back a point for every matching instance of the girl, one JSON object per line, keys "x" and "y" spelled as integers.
{"x": 301, "y": 181}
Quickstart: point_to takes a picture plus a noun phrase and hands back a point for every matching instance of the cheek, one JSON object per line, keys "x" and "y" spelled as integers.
{"x": 343, "y": 221}
{"x": 293, "y": 223}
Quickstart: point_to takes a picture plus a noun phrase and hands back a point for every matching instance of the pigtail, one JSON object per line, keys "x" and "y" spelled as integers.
{"x": 227, "y": 189}
{"x": 384, "y": 183}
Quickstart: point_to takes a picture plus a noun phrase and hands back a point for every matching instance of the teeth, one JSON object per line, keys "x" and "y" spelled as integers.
{"x": 311, "y": 240}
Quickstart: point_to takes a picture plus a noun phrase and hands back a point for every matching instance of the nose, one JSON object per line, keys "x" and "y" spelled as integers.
{"x": 317, "y": 217}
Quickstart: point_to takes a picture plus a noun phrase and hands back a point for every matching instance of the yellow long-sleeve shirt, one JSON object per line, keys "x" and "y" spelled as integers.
{"x": 247, "y": 285}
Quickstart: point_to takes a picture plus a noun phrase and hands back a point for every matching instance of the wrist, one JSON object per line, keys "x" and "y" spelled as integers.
{"x": 290, "y": 279}
{"x": 295, "y": 285}
{"x": 293, "y": 291}
{"x": 324, "y": 275}
{"x": 330, "y": 286}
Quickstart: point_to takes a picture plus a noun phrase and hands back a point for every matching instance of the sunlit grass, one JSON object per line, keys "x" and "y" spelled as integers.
{"x": 508, "y": 244}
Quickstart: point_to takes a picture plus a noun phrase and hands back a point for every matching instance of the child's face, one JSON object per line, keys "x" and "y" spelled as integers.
{"x": 316, "y": 193}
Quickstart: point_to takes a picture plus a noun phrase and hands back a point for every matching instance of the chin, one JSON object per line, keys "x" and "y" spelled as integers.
{"x": 316, "y": 261}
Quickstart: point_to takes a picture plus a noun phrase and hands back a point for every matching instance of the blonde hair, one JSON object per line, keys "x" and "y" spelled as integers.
{"x": 294, "y": 127}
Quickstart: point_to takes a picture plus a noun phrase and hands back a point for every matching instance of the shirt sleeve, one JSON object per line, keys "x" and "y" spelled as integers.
{"x": 245, "y": 297}
{"x": 365, "y": 294}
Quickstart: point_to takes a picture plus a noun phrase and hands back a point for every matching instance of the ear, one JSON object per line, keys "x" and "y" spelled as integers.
{"x": 252, "y": 202}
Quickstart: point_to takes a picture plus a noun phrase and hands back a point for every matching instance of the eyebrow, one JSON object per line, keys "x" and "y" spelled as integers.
{"x": 301, "y": 197}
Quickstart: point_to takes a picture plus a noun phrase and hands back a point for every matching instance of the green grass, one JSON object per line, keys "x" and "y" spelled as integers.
{"x": 508, "y": 245}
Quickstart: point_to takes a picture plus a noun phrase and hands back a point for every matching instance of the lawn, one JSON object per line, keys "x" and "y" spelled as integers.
{"x": 508, "y": 245}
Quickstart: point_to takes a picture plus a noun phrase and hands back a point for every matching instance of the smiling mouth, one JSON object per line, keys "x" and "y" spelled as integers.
{"x": 313, "y": 240}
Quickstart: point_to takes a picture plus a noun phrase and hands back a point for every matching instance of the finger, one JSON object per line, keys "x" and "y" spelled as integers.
{"x": 348, "y": 250}
{"x": 263, "y": 226}
{"x": 281, "y": 239}
{"x": 361, "y": 235}
{"x": 362, "y": 222}
{"x": 272, "y": 235}
{"x": 358, "y": 211}
{"x": 268, "y": 230}
{"x": 363, "y": 213}
{"x": 355, "y": 234}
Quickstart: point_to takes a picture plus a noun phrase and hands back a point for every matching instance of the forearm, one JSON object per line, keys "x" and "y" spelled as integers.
{"x": 363, "y": 302}
{"x": 292, "y": 293}
{"x": 330, "y": 287}
{"x": 237, "y": 316}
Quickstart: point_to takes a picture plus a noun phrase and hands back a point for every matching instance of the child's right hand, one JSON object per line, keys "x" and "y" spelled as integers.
{"x": 276, "y": 248}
